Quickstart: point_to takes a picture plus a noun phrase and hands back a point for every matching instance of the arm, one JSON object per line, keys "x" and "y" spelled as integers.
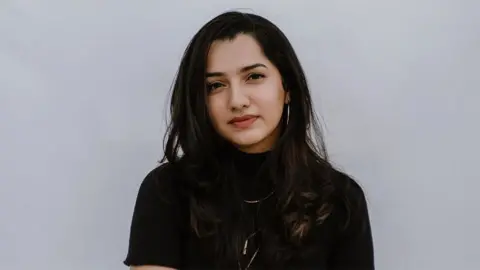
{"x": 154, "y": 233}
{"x": 354, "y": 247}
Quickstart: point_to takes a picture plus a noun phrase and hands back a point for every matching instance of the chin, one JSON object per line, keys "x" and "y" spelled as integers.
{"x": 246, "y": 140}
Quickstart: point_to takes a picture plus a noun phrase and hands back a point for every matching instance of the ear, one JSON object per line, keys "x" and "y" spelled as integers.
{"x": 287, "y": 97}
{"x": 287, "y": 93}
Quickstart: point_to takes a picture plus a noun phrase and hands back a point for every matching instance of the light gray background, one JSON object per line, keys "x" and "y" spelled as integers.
{"x": 82, "y": 94}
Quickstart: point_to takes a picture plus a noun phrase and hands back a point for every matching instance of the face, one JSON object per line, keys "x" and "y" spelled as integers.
{"x": 245, "y": 94}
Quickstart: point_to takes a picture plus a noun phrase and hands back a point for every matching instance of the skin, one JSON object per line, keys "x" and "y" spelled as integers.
{"x": 242, "y": 81}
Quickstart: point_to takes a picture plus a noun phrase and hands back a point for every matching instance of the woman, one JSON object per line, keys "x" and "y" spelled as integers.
{"x": 246, "y": 183}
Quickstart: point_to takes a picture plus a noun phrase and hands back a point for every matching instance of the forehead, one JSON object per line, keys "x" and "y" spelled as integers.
{"x": 230, "y": 55}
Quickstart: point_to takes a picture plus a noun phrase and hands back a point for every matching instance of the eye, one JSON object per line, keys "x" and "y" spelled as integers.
{"x": 213, "y": 86}
{"x": 255, "y": 76}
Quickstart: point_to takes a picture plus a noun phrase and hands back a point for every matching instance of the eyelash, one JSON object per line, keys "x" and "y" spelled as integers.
{"x": 256, "y": 74}
{"x": 211, "y": 86}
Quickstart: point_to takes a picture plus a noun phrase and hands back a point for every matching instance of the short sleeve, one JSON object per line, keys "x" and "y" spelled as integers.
{"x": 354, "y": 245}
{"x": 155, "y": 227}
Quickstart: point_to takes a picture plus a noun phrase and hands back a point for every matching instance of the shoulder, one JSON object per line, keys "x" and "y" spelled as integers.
{"x": 161, "y": 174}
{"x": 346, "y": 187}
{"x": 349, "y": 201}
{"x": 157, "y": 221}
{"x": 159, "y": 184}
{"x": 352, "y": 245}
{"x": 334, "y": 181}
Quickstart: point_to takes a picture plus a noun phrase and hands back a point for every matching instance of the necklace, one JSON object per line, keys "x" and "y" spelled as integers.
{"x": 244, "y": 252}
{"x": 251, "y": 260}
{"x": 245, "y": 245}
{"x": 260, "y": 200}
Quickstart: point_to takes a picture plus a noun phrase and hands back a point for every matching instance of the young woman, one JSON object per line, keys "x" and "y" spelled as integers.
{"x": 246, "y": 182}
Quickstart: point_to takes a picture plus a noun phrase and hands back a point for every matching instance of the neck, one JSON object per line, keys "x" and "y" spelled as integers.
{"x": 251, "y": 172}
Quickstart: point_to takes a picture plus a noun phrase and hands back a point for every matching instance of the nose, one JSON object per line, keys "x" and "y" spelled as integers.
{"x": 238, "y": 98}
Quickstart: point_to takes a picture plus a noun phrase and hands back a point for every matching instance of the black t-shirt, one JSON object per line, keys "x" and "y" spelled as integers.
{"x": 161, "y": 234}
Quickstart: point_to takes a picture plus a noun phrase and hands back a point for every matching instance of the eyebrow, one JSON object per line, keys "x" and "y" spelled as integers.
{"x": 242, "y": 70}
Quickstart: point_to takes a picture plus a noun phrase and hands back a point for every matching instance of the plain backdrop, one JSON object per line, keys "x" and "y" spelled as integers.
{"x": 83, "y": 88}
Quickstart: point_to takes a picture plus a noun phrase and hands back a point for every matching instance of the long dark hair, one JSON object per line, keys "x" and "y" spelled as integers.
{"x": 300, "y": 169}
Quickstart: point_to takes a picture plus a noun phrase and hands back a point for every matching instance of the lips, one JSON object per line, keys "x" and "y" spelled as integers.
{"x": 243, "y": 121}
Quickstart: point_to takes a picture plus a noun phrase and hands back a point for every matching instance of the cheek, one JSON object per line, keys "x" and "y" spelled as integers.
{"x": 272, "y": 103}
{"x": 215, "y": 110}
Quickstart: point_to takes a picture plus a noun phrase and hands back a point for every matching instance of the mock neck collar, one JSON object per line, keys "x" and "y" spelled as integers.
{"x": 251, "y": 172}
{"x": 248, "y": 163}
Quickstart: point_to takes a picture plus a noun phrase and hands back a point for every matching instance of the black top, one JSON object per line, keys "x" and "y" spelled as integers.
{"x": 161, "y": 234}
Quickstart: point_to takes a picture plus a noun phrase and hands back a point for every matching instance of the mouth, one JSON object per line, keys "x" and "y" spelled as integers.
{"x": 243, "y": 121}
